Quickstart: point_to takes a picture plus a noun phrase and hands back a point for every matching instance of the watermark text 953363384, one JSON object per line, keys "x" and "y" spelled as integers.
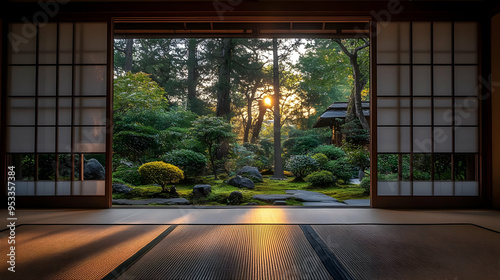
{"x": 11, "y": 220}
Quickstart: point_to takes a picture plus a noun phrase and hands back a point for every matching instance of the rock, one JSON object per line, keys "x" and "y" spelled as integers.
{"x": 307, "y": 196}
{"x": 270, "y": 198}
{"x": 121, "y": 188}
{"x": 235, "y": 198}
{"x": 251, "y": 173}
{"x": 252, "y": 203}
{"x": 200, "y": 191}
{"x": 165, "y": 201}
{"x": 173, "y": 192}
{"x": 241, "y": 182}
{"x": 93, "y": 170}
{"x": 279, "y": 202}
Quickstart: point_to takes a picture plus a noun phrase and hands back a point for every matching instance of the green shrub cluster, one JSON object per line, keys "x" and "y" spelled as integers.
{"x": 321, "y": 179}
{"x": 301, "y": 166}
{"x": 330, "y": 151}
{"x": 321, "y": 159}
{"x": 161, "y": 173}
{"x": 191, "y": 162}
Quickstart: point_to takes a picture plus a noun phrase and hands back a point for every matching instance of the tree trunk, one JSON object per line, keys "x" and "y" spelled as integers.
{"x": 278, "y": 161}
{"x": 224, "y": 87}
{"x": 128, "y": 55}
{"x": 258, "y": 124}
{"x": 359, "y": 84}
{"x": 249, "y": 122}
{"x": 192, "y": 79}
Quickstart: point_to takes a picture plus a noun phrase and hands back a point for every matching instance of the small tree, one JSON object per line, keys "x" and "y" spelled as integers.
{"x": 160, "y": 173}
{"x": 301, "y": 166}
{"x": 212, "y": 132}
{"x": 192, "y": 163}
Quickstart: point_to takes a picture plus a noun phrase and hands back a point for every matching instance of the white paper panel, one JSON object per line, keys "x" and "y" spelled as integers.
{"x": 63, "y": 188}
{"x": 65, "y": 81}
{"x": 21, "y": 111}
{"x": 466, "y": 80}
{"x": 44, "y": 188}
{"x": 443, "y": 113}
{"x": 89, "y": 140}
{"x": 442, "y": 188}
{"x": 90, "y": 80}
{"x": 466, "y": 111}
{"x": 47, "y": 42}
{"x": 422, "y": 111}
{"x": 77, "y": 187}
{"x": 393, "y": 42}
{"x": 393, "y": 111}
{"x": 443, "y": 81}
{"x": 90, "y": 111}
{"x": 64, "y": 111}
{"x": 46, "y": 139}
{"x": 442, "y": 42}
{"x": 388, "y": 188}
{"x": 21, "y": 81}
{"x": 467, "y": 188}
{"x": 21, "y": 139}
{"x": 443, "y": 139}
{"x": 466, "y": 42}
{"x": 23, "y": 50}
{"x": 422, "y": 80}
{"x": 93, "y": 187}
{"x": 64, "y": 136}
{"x": 405, "y": 188}
{"x": 393, "y": 139}
{"x": 421, "y": 42}
{"x": 46, "y": 111}
{"x": 466, "y": 139}
{"x": 393, "y": 80}
{"x": 65, "y": 43}
{"x": 47, "y": 80}
{"x": 91, "y": 41}
{"x": 422, "y": 188}
{"x": 25, "y": 188}
{"x": 422, "y": 140}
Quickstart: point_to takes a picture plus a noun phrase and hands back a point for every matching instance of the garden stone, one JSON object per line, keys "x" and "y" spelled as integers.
{"x": 235, "y": 198}
{"x": 279, "y": 202}
{"x": 308, "y": 196}
{"x": 121, "y": 188}
{"x": 165, "y": 201}
{"x": 252, "y": 203}
{"x": 93, "y": 170}
{"x": 270, "y": 198}
{"x": 251, "y": 173}
{"x": 241, "y": 182}
{"x": 200, "y": 191}
{"x": 173, "y": 192}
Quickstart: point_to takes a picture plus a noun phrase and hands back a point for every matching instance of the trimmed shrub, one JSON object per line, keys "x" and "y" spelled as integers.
{"x": 330, "y": 151}
{"x": 340, "y": 168}
{"x": 321, "y": 179}
{"x": 161, "y": 173}
{"x": 192, "y": 163}
{"x": 321, "y": 159}
{"x": 301, "y": 166}
{"x": 365, "y": 184}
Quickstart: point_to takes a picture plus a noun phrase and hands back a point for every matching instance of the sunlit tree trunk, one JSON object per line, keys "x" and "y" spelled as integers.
{"x": 278, "y": 161}
{"x": 224, "y": 87}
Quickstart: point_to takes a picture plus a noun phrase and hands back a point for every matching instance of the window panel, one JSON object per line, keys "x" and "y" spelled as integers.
{"x": 466, "y": 188}
{"x": 21, "y": 139}
{"x": 91, "y": 43}
{"x": 25, "y": 188}
{"x": 393, "y": 111}
{"x": 422, "y": 80}
{"x": 65, "y": 114}
{"x": 422, "y": 139}
{"x": 64, "y": 167}
{"x": 443, "y": 188}
{"x": 465, "y": 167}
{"x": 63, "y": 188}
{"x": 422, "y": 111}
{"x": 65, "y": 81}
{"x": 46, "y": 111}
{"x": 93, "y": 187}
{"x": 422, "y": 188}
{"x": 442, "y": 167}
{"x": 443, "y": 113}
{"x": 22, "y": 81}
{"x": 90, "y": 111}
{"x": 466, "y": 140}
{"x": 393, "y": 139}
{"x": 89, "y": 140}
{"x": 46, "y": 167}
{"x": 25, "y": 51}
{"x": 393, "y": 80}
{"x": 443, "y": 139}
{"x": 466, "y": 80}
{"x": 421, "y": 42}
{"x": 442, "y": 42}
{"x": 25, "y": 166}
{"x": 64, "y": 140}
{"x": 65, "y": 43}
{"x": 393, "y": 44}
{"x": 443, "y": 81}
{"x": 45, "y": 188}
{"x": 46, "y": 140}
{"x": 387, "y": 188}
{"x": 422, "y": 164}
{"x": 90, "y": 80}
{"x": 21, "y": 111}
{"x": 47, "y": 80}
{"x": 466, "y": 111}
{"x": 466, "y": 42}
{"x": 47, "y": 48}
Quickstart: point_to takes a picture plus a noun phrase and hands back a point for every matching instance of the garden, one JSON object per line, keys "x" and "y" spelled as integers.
{"x": 193, "y": 126}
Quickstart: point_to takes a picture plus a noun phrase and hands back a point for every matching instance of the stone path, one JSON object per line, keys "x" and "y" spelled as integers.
{"x": 309, "y": 198}
{"x": 165, "y": 201}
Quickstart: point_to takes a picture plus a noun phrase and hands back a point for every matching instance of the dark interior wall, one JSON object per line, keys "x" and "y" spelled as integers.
{"x": 495, "y": 69}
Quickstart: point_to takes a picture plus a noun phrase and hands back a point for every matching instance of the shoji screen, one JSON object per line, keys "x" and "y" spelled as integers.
{"x": 56, "y": 116}
{"x": 427, "y": 109}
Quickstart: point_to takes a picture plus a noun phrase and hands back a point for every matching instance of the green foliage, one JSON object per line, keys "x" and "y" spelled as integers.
{"x": 211, "y": 132}
{"x": 321, "y": 159}
{"x": 134, "y": 145}
{"x": 240, "y": 156}
{"x": 301, "y": 166}
{"x": 340, "y": 168}
{"x": 192, "y": 163}
{"x": 320, "y": 179}
{"x": 331, "y": 151}
{"x": 358, "y": 156}
{"x": 160, "y": 173}
{"x": 302, "y": 142}
{"x": 137, "y": 91}
{"x": 354, "y": 132}
{"x": 365, "y": 184}
{"x": 127, "y": 175}
{"x": 159, "y": 119}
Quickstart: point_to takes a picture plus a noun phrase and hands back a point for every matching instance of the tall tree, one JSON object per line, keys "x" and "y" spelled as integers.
{"x": 224, "y": 83}
{"x": 278, "y": 161}
{"x": 351, "y": 49}
{"x": 192, "y": 77}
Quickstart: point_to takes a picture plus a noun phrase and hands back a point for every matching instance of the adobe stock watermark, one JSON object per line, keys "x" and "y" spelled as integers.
{"x": 382, "y": 17}
{"x": 221, "y": 7}
{"x": 49, "y": 9}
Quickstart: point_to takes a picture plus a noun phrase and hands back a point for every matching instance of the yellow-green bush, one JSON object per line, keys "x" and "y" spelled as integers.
{"x": 161, "y": 173}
